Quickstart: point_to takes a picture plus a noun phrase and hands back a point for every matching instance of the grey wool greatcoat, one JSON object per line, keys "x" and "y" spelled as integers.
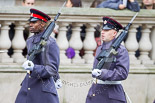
{"x": 115, "y": 71}
{"x": 39, "y": 87}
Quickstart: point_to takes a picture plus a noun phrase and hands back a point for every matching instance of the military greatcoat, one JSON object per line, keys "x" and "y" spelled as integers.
{"x": 39, "y": 87}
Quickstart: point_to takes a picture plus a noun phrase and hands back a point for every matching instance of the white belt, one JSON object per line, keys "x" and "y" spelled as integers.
{"x": 97, "y": 81}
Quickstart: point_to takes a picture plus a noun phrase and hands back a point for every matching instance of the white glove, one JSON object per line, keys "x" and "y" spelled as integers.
{"x": 96, "y": 72}
{"x": 28, "y": 65}
{"x": 58, "y": 84}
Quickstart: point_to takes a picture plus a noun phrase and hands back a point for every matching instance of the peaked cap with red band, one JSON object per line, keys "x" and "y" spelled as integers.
{"x": 38, "y": 15}
{"x": 109, "y": 23}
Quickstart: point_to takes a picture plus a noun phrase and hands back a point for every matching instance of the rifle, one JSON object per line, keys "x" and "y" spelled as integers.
{"x": 38, "y": 47}
{"x": 104, "y": 56}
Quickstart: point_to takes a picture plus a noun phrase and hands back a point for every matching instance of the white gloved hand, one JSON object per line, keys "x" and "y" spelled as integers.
{"x": 58, "y": 84}
{"x": 28, "y": 65}
{"x": 96, "y": 72}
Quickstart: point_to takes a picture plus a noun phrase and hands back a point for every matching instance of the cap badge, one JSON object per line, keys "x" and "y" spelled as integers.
{"x": 105, "y": 22}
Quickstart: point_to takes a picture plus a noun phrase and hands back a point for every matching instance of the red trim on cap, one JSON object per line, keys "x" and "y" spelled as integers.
{"x": 110, "y": 23}
{"x": 114, "y": 21}
{"x": 38, "y": 16}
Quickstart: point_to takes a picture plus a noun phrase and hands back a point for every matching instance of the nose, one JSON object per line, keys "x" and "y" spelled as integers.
{"x": 102, "y": 32}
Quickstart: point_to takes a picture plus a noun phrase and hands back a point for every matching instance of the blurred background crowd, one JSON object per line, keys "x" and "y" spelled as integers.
{"x": 78, "y": 3}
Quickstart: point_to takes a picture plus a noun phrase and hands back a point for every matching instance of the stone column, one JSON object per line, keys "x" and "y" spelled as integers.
{"x": 89, "y": 43}
{"x": 76, "y": 43}
{"x": 18, "y": 43}
{"x": 152, "y": 55}
{"x": 145, "y": 45}
{"x": 5, "y": 42}
{"x": 63, "y": 43}
{"x": 132, "y": 44}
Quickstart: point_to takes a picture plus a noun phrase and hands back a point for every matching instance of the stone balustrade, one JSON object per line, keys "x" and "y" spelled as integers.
{"x": 77, "y": 17}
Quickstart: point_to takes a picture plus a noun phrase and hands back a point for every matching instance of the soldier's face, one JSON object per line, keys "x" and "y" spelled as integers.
{"x": 36, "y": 26}
{"x": 108, "y": 35}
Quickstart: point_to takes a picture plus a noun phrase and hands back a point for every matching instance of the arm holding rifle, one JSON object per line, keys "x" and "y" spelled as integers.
{"x": 118, "y": 70}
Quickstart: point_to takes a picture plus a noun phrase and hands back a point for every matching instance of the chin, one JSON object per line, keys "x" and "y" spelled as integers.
{"x": 103, "y": 39}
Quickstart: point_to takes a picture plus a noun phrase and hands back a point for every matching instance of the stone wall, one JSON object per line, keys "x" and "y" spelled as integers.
{"x": 76, "y": 83}
{"x": 7, "y": 3}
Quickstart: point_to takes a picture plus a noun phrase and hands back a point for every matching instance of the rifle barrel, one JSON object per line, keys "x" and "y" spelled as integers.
{"x": 133, "y": 18}
{"x": 62, "y": 7}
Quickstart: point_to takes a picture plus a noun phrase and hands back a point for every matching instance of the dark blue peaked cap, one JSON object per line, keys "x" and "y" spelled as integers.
{"x": 109, "y": 23}
{"x": 38, "y": 15}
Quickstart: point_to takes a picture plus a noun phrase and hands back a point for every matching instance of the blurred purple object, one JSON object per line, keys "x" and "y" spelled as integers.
{"x": 70, "y": 52}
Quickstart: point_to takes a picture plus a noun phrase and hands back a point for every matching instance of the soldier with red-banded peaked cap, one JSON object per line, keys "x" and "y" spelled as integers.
{"x": 39, "y": 84}
{"x": 107, "y": 87}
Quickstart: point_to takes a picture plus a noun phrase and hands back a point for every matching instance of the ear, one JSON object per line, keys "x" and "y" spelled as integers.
{"x": 43, "y": 24}
{"x": 115, "y": 33}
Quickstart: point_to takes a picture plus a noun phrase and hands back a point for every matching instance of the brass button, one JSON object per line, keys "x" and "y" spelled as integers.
{"x": 93, "y": 94}
{"x": 28, "y": 88}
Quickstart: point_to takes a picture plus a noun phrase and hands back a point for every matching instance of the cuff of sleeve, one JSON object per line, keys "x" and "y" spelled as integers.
{"x": 35, "y": 72}
{"x": 40, "y": 72}
{"x": 103, "y": 75}
{"x": 93, "y": 76}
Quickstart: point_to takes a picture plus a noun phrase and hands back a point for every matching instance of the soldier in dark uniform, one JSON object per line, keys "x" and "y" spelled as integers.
{"x": 107, "y": 87}
{"x": 38, "y": 85}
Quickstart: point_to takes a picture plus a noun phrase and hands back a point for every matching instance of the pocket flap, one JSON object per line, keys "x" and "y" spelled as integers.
{"x": 49, "y": 87}
{"x": 117, "y": 96}
{"x": 116, "y": 92}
